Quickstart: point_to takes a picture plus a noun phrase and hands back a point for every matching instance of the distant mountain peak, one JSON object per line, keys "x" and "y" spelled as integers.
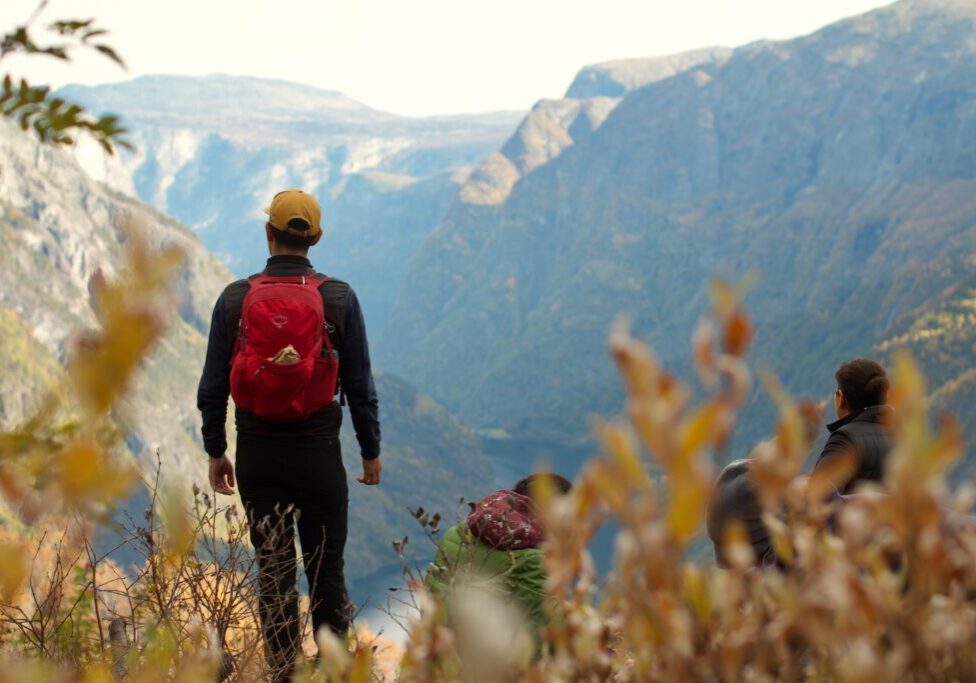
{"x": 553, "y": 125}
{"x": 966, "y": 7}
{"x": 620, "y": 76}
{"x": 175, "y": 95}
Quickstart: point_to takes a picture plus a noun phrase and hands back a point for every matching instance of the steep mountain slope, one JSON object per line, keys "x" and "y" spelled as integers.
{"x": 430, "y": 460}
{"x": 213, "y": 150}
{"x": 554, "y": 125}
{"x": 57, "y": 230}
{"x": 839, "y": 167}
{"x": 550, "y": 128}
{"x": 30, "y": 371}
{"x": 941, "y": 335}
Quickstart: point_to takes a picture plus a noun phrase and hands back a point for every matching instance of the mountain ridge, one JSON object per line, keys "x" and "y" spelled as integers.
{"x": 838, "y": 166}
{"x": 615, "y": 78}
{"x": 213, "y": 162}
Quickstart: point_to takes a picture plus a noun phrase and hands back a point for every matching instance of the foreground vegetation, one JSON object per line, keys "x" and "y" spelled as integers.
{"x": 887, "y": 595}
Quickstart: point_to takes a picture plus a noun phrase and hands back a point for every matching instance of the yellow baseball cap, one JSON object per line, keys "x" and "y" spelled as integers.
{"x": 288, "y": 205}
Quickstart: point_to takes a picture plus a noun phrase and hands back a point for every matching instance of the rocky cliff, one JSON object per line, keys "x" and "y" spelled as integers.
{"x": 212, "y": 151}
{"x": 59, "y": 226}
{"x": 620, "y": 76}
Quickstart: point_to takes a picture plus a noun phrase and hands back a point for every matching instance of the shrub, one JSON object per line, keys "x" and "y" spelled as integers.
{"x": 885, "y": 593}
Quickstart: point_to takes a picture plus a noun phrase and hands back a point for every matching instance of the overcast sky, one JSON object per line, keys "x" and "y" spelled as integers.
{"x": 414, "y": 57}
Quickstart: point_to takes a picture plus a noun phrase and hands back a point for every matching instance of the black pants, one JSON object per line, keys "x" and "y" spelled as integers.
{"x": 284, "y": 482}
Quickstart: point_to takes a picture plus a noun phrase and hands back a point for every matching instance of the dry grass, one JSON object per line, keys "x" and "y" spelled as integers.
{"x": 885, "y": 593}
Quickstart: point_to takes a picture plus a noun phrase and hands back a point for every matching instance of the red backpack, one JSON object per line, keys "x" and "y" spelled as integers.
{"x": 279, "y": 312}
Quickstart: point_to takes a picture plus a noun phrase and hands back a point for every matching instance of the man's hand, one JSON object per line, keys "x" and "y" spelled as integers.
{"x": 222, "y": 475}
{"x": 371, "y": 471}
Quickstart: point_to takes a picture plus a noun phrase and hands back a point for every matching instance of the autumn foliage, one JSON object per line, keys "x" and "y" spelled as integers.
{"x": 884, "y": 591}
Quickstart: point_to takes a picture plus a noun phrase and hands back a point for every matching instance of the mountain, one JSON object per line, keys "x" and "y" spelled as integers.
{"x": 430, "y": 460}
{"x": 618, "y": 77}
{"x": 554, "y": 125}
{"x": 839, "y": 168}
{"x": 30, "y": 371}
{"x": 212, "y": 151}
{"x": 58, "y": 229}
{"x": 56, "y": 224}
{"x": 941, "y": 336}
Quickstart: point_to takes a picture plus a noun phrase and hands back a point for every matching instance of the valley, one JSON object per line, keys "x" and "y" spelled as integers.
{"x": 493, "y": 252}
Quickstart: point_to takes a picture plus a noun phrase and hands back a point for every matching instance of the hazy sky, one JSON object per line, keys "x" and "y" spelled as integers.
{"x": 413, "y": 57}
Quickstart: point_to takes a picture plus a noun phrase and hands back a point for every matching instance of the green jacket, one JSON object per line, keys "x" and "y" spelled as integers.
{"x": 518, "y": 573}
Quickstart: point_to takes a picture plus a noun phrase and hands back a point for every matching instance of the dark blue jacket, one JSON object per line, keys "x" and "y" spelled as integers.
{"x": 343, "y": 312}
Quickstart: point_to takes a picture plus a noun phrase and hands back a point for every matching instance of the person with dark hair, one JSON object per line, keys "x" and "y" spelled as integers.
{"x": 284, "y": 344}
{"x": 500, "y": 543}
{"x": 559, "y": 485}
{"x": 862, "y": 432}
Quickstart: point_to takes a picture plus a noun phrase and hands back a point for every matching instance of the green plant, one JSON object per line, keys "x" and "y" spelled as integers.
{"x": 55, "y": 120}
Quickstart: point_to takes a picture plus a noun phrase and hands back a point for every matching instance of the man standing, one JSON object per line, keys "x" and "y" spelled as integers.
{"x": 276, "y": 340}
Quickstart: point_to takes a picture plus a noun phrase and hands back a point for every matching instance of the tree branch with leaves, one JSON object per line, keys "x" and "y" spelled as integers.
{"x": 56, "y": 120}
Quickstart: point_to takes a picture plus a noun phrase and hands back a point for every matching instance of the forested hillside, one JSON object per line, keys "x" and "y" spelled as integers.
{"x": 941, "y": 334}
{"x": 838, "y": 168}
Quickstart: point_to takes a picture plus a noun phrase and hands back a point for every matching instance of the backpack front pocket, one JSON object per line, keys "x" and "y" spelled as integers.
{"x": 270, "y": 391}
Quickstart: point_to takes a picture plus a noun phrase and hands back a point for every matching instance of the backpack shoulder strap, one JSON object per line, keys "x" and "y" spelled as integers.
{"x": 234, "y": 303}
{"x": 335, "y": 295}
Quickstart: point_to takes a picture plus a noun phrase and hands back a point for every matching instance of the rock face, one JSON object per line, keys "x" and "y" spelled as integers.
{"x": 57, "y": 227}
{"x": 840, "y": 168}
{"x": 554, "y": 125}
{"x": 212, "y": 151}
{"x": 617, "y": 78}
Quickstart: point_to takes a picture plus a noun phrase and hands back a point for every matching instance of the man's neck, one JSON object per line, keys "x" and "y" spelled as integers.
{"x": 277, "y": 250}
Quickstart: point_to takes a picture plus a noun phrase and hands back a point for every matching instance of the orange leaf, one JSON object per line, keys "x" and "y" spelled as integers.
{"x": 736, "y": 333}
{"x": 13, "y": 569}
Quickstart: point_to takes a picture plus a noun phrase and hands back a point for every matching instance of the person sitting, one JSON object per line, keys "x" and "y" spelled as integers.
{"x": 500, "y": 542}
{"x": 862, "y": 431}
{"x": 734, "y": 499}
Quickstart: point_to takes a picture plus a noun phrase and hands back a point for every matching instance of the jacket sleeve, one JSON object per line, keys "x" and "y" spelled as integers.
{"x": 838, "y": 448}
{"x": 356, "y": 376}
{"x": 527, "y": 581}
{"x": 214, "y": 386}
